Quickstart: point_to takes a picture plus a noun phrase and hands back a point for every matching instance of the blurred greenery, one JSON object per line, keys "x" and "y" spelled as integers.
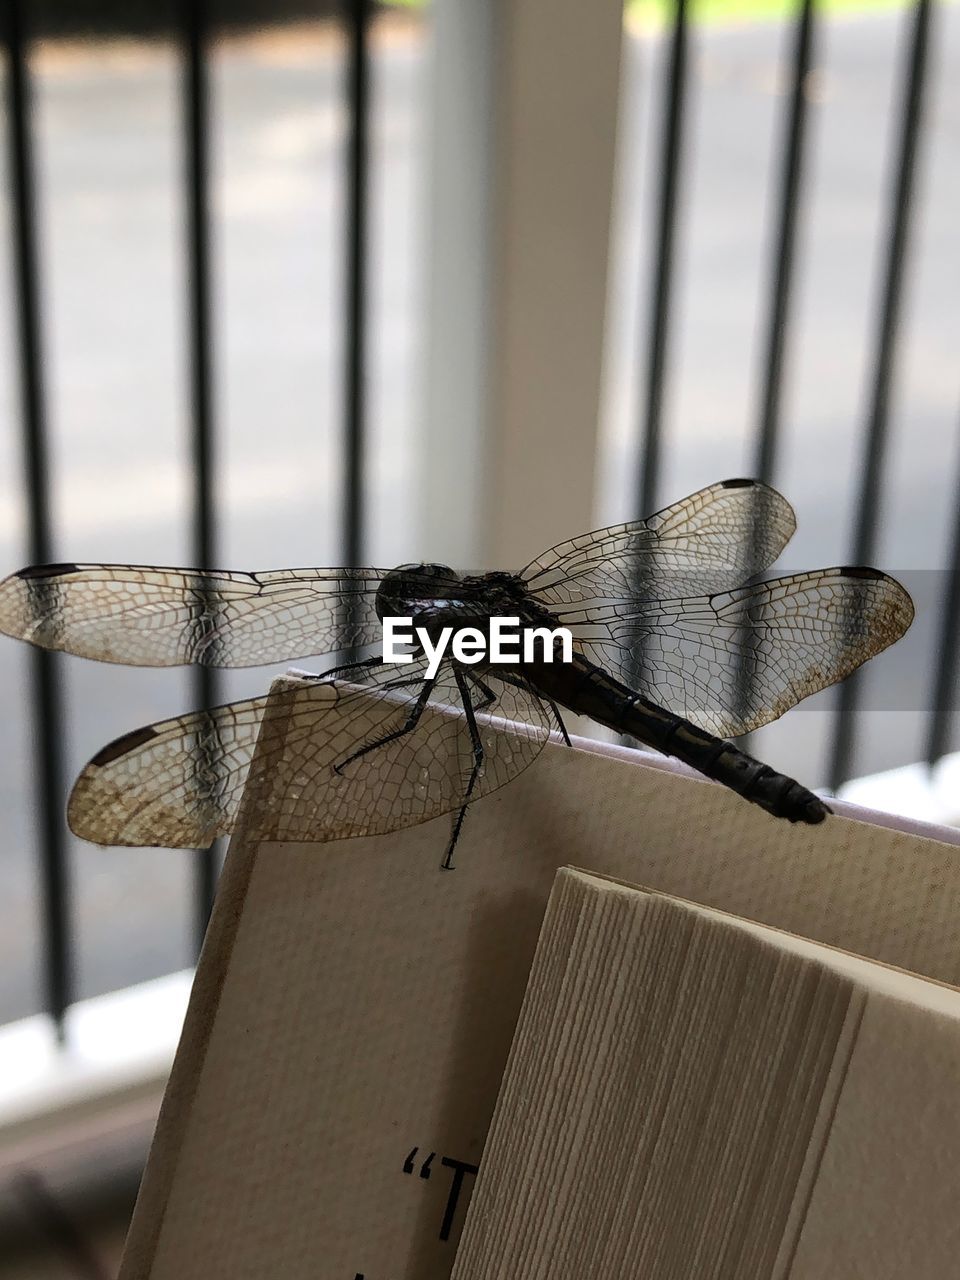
{"x": 658, "y": 12}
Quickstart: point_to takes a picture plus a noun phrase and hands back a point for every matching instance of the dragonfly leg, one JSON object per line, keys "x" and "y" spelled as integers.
{"x": 468, "y": 709}
{"x": 559, "y": 718}
{"x": 408, "y": 726}
{"x": 348, "y": 666}
{"x": 403, "y": 683}
{"x": 488, "y": 694}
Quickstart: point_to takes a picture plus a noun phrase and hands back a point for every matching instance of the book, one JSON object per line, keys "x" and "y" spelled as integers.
{"x": 354, "y": 1005}
{"x": 691, "y": 1094}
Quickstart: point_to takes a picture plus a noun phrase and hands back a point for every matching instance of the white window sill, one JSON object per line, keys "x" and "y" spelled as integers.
{"x": 914, "y": 791}
{"x": 108, "y": 1075}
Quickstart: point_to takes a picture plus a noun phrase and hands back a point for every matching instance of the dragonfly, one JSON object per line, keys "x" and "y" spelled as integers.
{"x": 678, "y": 641}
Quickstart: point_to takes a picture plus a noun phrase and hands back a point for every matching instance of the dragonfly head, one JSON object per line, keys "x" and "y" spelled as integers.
{"x": 411, "y": 588}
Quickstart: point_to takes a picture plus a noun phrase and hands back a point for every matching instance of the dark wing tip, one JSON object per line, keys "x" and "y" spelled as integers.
{"x": 47, "y": 571}
{"x": 122, "y": 746}
{"x": 739, "y": 483}
{"x": 899, "y": 606}
{"x": 862, "y": 571}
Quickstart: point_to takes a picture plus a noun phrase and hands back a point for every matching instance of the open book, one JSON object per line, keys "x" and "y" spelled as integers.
{"x": 691, "y": 1094}
{"x": 354, "y": 1006}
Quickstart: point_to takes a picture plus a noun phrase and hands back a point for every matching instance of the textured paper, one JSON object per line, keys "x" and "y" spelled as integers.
{"x": 354, "y": 1005}
{"x": 689, "y": 1095}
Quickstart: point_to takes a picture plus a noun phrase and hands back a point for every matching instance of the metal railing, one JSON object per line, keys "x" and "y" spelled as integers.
{"x": 193, "y": 37}
{"x": 895, "y": 259}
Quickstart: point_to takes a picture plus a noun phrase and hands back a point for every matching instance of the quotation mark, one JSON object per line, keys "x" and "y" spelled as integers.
{"x": 459, "y": 1169}
{"x": 408, "y": 1164}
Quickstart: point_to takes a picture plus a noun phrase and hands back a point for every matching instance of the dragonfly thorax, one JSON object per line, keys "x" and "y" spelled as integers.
{"x": 413, "y": 589}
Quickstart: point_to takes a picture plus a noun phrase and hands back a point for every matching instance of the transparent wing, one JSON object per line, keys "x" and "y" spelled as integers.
{"x": 178, "y": 783}
{"x": 711, "y": 541}
{"x": 734, "y": 661}
{"x": 150, "y": 617}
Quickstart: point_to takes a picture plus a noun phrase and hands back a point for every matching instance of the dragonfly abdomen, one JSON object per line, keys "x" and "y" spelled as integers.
{"x": 588, "y": 690}
{"x": 723, "y": 761}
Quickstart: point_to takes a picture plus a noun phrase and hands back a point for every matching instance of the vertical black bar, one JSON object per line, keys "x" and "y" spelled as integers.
{"x": 865, "y": 532}
{"x": 666, "y": 225}
{"x": 782, "y": 274}
{"x": 945, "y": 676}
{"x": 768, "y": 425}
{"x": 670, "y": 150}
{"x": 357, "y": 14}
{"x": 194, "y": 35}
{"x": 48, "y": 718}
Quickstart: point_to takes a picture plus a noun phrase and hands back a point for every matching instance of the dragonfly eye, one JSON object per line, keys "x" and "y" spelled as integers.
{"x": 407, "y": 586}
